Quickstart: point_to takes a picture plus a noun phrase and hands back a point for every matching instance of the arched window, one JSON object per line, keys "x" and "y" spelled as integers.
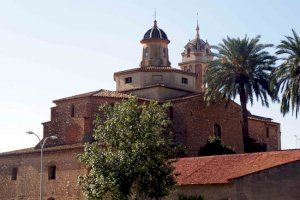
{"x": 146, "y": 52}
{"x": 217, "y": 130}
{"x": 188, "y": 51}
{"x": 164, "y": 52}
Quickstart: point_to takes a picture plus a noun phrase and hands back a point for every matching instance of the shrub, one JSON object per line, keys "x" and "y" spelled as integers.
{"x": 215, "y": 146}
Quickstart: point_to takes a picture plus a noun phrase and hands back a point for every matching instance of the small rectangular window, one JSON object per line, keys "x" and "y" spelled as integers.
{"x": 72, "y": 111}
{"x": 184, "y": 81}
{"x": 267, "y": 132}
{"x": 52, "y": 172}
{"x": 14, "y": 173}
{"x": 128, "y": 80}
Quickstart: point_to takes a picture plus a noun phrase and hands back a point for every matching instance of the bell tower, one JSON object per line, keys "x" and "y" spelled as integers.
{"x": 155, "y": 48}
{"x": 195, "y": 57}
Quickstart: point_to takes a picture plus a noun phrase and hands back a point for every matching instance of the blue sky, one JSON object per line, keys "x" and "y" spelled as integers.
{"x": 53, "y": 49}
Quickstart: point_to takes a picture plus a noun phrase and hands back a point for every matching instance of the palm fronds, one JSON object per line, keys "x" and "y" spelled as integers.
{"x": 287, "y": 74}
{"x": 240, "y": 65}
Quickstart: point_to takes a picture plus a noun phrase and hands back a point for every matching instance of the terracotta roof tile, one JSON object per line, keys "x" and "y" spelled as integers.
{"x": 108, "y": 93}
{"x": 98, "y": 93}
{"x": 155, "y": 69}
{"x": 157, "y": 85}
{"x": 251, "y": 116}
{"x": 48, "y": 149}
{"x": 222, "y": 169}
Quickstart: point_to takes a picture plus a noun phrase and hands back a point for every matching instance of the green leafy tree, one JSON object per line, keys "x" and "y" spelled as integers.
{"x": 241, "y": 67}
{"x": 215, "y": 146}
{"x": 130, "y": 158}
{"x": 288, "y": 74}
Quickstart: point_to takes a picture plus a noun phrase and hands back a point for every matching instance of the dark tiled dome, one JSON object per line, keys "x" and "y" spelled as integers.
{"x": 196, "y": 44}
{"x": 155, "y": 33}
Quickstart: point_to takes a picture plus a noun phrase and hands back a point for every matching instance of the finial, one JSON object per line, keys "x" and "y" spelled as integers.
{"x": 155, "y": 22}
{"x": 197, "y": 28}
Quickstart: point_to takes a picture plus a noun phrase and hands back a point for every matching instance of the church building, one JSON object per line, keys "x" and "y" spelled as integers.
{"x": 155, "y": 79}
{"x": 71, "y": 120}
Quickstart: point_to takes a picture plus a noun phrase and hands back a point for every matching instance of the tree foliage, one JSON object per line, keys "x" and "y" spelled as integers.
{"x": 130, "y": 158}
{"x": 287, "y": 75}
{"x": 215, "y": 146}
{"x": 241, "y": 67}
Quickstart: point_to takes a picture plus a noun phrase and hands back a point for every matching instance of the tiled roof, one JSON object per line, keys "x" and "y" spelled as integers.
{"x": 18, "y": 151}
{"x": 260, "y": 117}
{"x": 196, "y": 44}
{"x": 155, "y": 69}
{"x": 33, "y": 150}
{"x": 108, "y": 93}
{"x": 98, "y": 93}
{"x": 155, "y": 33}
{"x": 222, "y": 169}
{"x": 185, "y": 97}
{"x": 157, "y": 85}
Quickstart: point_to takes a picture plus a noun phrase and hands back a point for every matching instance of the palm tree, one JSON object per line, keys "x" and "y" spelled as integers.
{"x": 288, "y": 74}
{"x": 240, "y": 67}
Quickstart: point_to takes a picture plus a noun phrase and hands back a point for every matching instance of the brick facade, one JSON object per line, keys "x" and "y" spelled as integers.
{"x": 77, "y": 128}
{"x": 26, "y": 185}
{"x": 266, "y": 131}
{"x": 193, "y": 122}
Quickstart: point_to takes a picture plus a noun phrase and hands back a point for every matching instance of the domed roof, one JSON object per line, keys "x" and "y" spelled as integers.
{"x": 155, "y": 33}
{"x": 196, "y": 44}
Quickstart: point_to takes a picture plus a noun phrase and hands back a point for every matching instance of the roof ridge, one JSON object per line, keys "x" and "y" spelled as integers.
{"x": 85, "y": 94}
{"x": 96, "y": 93}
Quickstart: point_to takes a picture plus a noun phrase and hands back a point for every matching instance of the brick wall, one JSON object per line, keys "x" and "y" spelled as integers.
{"x": 26, "y": 187}
{"x": 74, "y": 129}
{"x": 193, "y": 123}
{"x": 258, "y": 129}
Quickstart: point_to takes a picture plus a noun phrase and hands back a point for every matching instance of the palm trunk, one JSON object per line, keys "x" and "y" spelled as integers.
{"x": 245, "y": 128}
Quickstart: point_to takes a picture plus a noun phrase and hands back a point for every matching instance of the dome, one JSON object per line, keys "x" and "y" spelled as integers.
{"x": 196, "y": 44}
{"x": 155, "y": 33}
